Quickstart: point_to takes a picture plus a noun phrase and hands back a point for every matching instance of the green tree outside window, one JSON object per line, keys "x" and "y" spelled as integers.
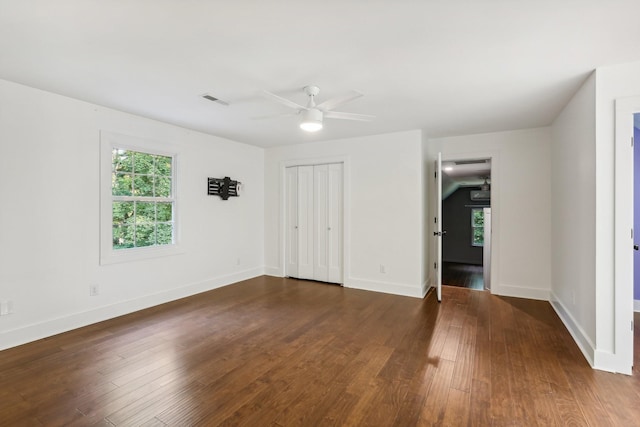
{"x": 142, "y": 199}
{"x": 477, "y": 227}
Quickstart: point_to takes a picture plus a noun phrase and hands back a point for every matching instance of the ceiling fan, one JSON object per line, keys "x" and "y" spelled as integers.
{"x": 312, "y": 115}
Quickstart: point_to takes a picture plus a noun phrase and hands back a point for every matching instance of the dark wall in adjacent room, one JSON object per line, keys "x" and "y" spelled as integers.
{"x": 456, "y": 220}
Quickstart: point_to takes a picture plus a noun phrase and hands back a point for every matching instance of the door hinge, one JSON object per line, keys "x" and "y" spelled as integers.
{"x": 435, "y": 265}
{"x": 632, "y": 233}
{"x": 435, "y": 174}
{"x": 435, "y": 220}
{"x": 632, "y": 325}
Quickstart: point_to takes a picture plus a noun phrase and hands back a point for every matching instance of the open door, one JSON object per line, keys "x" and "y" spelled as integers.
{"x": 486, "y": 250}
{"x": 624, "y": 233}
{"x": 438, "y": 227}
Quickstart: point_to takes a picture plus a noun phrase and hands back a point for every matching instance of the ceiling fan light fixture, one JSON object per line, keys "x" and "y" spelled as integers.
{"x": 485, "y": 186}
{"x": 311, "y": 120}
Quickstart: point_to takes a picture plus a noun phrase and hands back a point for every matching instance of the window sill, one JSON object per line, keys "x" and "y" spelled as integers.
{"x": 138, "y": 254}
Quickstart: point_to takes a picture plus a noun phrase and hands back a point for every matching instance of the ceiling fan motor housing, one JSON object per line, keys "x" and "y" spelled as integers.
{"x": 312, "y": 115}
{"x": 312, "y": 90}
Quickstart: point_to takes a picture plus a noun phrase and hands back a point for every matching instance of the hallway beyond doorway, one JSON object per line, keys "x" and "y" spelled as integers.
{"x": 462, "y": 275}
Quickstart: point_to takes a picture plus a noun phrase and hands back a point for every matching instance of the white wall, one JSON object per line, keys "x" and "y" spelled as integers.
{"x": 383, "y": 213}
{"x": 573, "y": 201}
{"x": 49, "y": 182}
{"x": 520, "y": 201}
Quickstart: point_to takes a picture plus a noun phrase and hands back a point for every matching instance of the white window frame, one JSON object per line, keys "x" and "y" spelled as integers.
{"x": 108, "y": 142}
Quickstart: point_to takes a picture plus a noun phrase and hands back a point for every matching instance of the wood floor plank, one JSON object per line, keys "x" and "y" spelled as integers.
{"x": 280, "y": 352}
{"x": 436, "y": 401}
{"x": 457, "y": 410}
{"x": 480, "y": 403}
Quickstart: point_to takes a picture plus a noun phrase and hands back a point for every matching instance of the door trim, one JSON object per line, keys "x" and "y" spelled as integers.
{"x": 496, "y": 170}
{"x": 623, "y": 241}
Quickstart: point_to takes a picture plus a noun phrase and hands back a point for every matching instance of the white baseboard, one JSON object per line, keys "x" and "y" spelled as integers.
{"x": 425, "y": 287}
{"x": 606, "y": 361}
{"x": 49, "y": 327}
{"x": 520, "y": 292}
{"x": 416, "y": 291}
{"x": 636, "y": 305}
{"x": 579, "y": 336}
{"x": 273, "y": 271}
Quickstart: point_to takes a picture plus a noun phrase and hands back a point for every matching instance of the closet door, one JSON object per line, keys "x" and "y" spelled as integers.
{"x": 335, "y": 229}
{"x": 305, "y": 223}
{"x": 291, "y": 255}
{"x": 321, "y": 217}
{"x": 314, "y": 222}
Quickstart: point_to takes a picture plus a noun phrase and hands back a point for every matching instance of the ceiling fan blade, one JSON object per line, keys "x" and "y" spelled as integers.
{"x": 332, "y": 103}
{"x": 348, "y": 116}
{"x": 275, "y": 116}
{"x": 283, "y": 101}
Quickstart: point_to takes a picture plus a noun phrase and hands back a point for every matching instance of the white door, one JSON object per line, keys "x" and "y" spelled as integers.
{"x": 335, "y": 227}
{"x": 306, "y": 255}
{"x": 623, "y": 232}
{"x": 321, "y": 217}
{"x": 438, "y": 227}
{"x": 291, "y": 249}
{"x": 314, "y": 222}
{"x": 486, "y": 249}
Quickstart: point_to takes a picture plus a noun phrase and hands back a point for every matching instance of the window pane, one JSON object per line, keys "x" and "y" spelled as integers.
{"x": 164, "y": 212}
{"x": 163, "y": 166}
{"x": 477, "y": 218}
{"x": 145, "y": 212}
{"x": 122, "y": 160}
{"x": 145, "y": 235}
{"x": 478, "y": 236}
{"x": 165, "y": 234}
{"x": 122, "y": 212}
{"x": 143, "y": 163}
{"x": 123, "y": 236}
{"x": 121, "y": 184}
{"x": 140, "y": 223}
{"x": 163, "y": 187}
{"x": 143, "y": 185}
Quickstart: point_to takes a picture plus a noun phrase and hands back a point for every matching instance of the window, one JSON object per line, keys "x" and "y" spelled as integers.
{"x": 138, "y": 204}
{"x": 142, "y": 199}
{"x": 477, "y": 227}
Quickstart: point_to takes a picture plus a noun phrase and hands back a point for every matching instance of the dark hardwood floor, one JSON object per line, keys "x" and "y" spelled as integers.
{"x": 282, "y": 352}
{"x": 462, "y": 275}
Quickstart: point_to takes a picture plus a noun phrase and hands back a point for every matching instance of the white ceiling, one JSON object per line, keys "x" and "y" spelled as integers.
{"x": 450, "y": 67}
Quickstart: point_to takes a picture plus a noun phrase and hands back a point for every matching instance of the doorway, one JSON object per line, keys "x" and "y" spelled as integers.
{"x": 466, "y": 221}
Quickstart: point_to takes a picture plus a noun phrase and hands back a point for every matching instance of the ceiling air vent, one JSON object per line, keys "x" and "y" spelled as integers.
{"x": 214, "y": 99}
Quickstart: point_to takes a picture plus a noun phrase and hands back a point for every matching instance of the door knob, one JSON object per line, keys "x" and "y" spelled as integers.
{"x": 635, "y": 247}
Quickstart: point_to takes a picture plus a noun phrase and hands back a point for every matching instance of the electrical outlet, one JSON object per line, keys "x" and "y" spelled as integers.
{"x": 383, "y": 269}
{"x": 94, "y": 290}
{"x": 6, "y": 307}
